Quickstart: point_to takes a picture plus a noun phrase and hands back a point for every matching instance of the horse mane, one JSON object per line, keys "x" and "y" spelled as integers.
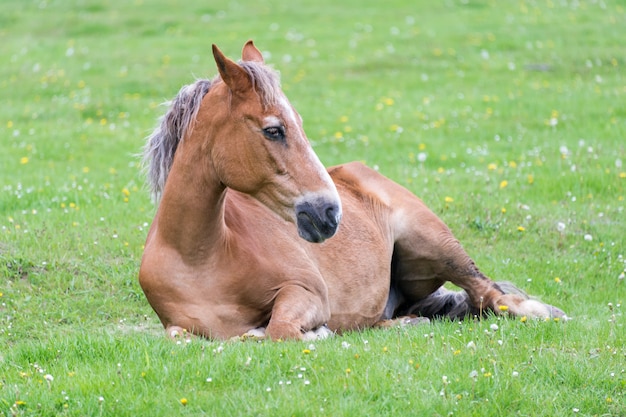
{"x": 161, "y": 145}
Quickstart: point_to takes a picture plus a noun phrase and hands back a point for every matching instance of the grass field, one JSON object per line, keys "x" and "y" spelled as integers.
{"x": 507, "y": 118}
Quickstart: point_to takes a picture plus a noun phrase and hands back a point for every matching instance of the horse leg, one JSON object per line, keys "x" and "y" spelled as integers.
{"x": 296, "y": 312}
{"x": 427, "y": 255}
{"x": 481, "y": 293}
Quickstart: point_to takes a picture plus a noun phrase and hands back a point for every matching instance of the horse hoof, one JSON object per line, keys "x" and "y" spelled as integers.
{"x": 256, "y": 333}
{"x": 174, "y": 332}
{"x": 321, "y": 332}
{"x": 557, "y": 313}
{"x": 537, "y": 309}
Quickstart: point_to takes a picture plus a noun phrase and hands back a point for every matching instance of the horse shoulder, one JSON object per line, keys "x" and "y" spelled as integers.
{"x": 265, "y": 250}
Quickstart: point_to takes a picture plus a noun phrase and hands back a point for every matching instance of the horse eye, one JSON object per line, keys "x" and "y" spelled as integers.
{"x": 274, "y": 133}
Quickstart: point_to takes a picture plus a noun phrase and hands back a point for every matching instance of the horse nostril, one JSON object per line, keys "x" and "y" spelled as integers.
{"x": 332, "y": 215}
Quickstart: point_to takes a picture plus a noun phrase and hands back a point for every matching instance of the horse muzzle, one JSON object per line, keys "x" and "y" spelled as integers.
{"x": 318, "y": 220}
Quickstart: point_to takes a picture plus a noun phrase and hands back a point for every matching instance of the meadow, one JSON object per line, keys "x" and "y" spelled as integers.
{"x": 507, "y": 118}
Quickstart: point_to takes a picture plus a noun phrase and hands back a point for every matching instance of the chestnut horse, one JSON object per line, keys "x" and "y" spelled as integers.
{"x": 253, "y": 234}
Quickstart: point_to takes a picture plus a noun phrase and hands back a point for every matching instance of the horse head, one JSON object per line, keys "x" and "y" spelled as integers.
{"x": 259, "y": 146}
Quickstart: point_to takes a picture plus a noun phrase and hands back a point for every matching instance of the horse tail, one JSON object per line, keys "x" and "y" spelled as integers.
{"x": 444, "y": 303}
{"x": 456, "y": 304}
{"x": 161, "y": 145}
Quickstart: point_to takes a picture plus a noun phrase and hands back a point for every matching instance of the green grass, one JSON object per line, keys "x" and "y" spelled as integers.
{"x": 506, "y": 118}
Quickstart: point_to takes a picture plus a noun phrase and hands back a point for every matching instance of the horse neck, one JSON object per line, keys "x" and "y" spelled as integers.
{"x": 191, "y": 212}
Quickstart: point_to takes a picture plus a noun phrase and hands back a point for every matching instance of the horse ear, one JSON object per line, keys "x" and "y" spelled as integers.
{"x": 251, "y": 53}
{"x": 235, "y": 77}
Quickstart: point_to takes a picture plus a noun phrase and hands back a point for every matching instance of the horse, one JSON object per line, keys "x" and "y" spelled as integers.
{"x": 253, "y": 236}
